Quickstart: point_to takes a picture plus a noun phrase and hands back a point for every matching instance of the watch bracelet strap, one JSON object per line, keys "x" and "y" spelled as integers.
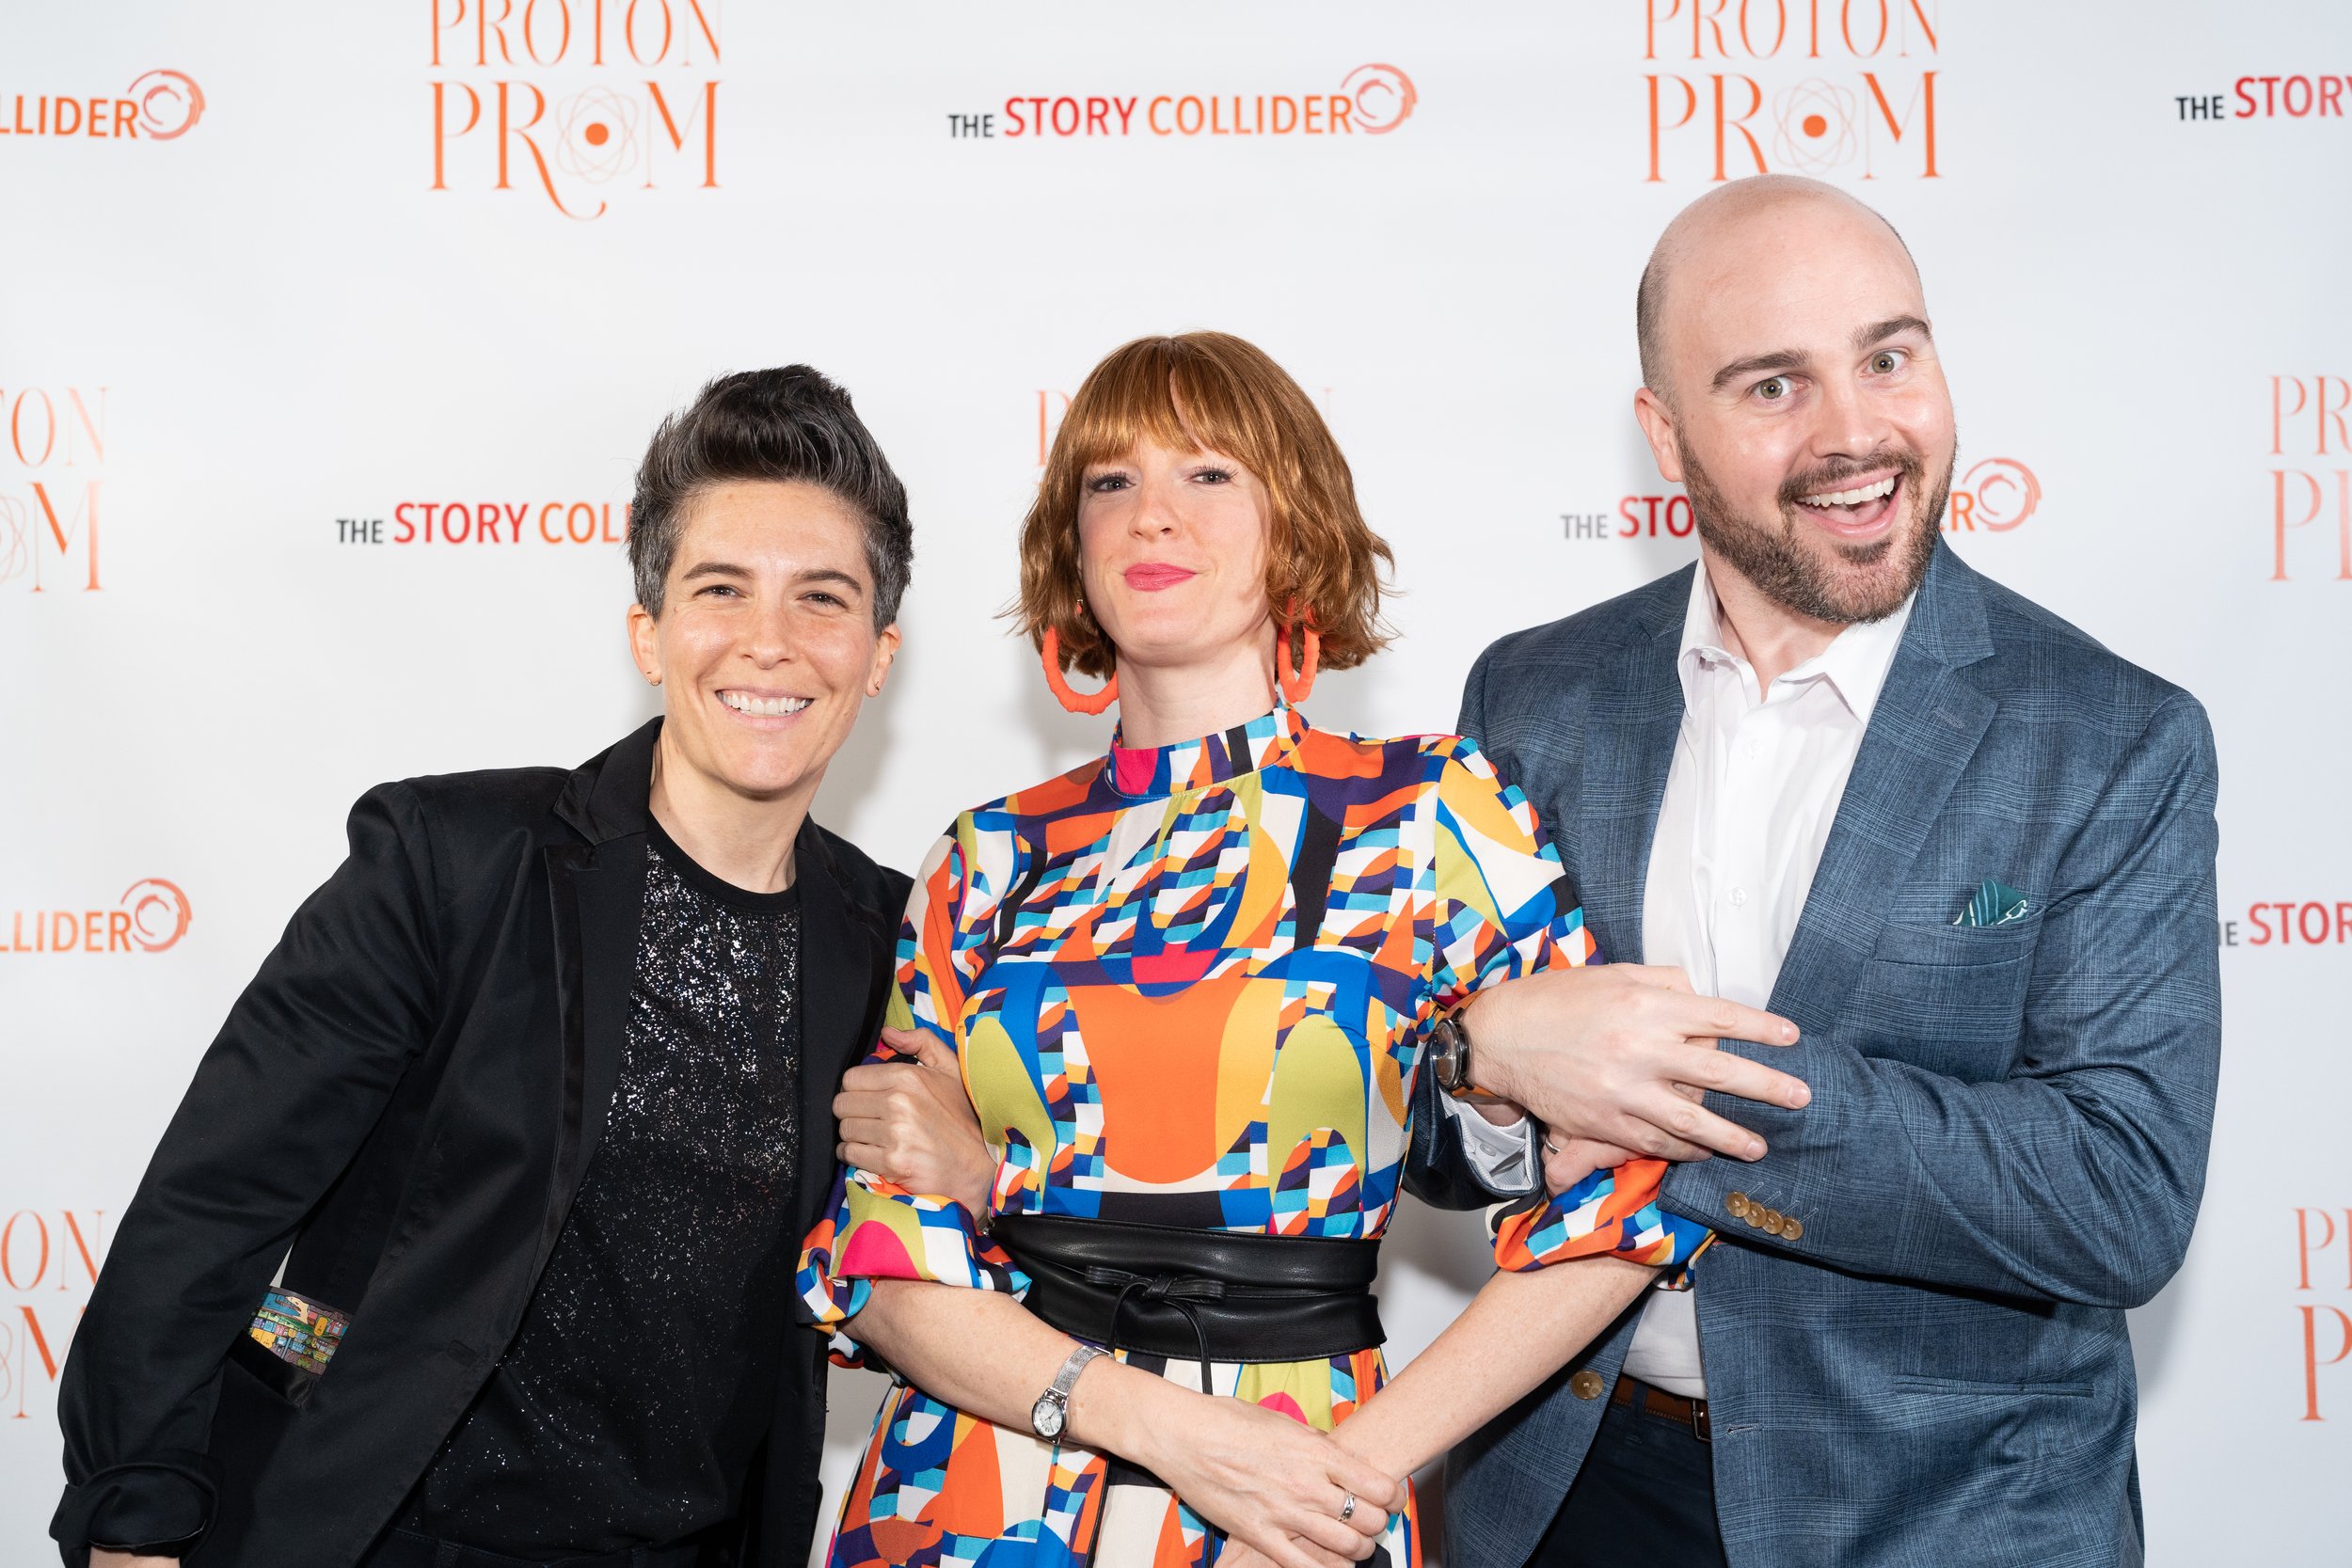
{"x": 1079, "y": 1359}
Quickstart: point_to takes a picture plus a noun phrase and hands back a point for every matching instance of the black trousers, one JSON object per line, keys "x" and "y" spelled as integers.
{"x": 1646, "y": 1498}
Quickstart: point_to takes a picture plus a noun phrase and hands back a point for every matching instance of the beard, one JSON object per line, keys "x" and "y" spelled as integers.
{"x": 1839, "y": 584}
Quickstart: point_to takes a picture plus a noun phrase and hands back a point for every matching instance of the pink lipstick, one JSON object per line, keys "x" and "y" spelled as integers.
{"x": 1152, "y": 576}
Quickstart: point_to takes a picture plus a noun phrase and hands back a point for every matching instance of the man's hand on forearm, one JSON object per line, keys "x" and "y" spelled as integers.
{"x": 101, "y": 1557}
{"x": 1615, "y": 1056}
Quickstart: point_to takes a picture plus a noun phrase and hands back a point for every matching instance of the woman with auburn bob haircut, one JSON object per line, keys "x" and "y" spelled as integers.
{"x": 1188, "y": 987}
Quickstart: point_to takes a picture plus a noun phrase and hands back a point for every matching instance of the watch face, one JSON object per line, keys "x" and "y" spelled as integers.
{"x": 1045, "y": 1418}
{"x": 1446, "y": 1060}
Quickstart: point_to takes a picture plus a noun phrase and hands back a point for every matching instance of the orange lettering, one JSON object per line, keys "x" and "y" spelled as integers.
{"x": 95, "y": 430}
{"x": 49, "y": 427}
{"x": 441, "y": 127}
{"x": 8, "y": 1250}
{"x": 483, "y": 28}
{"x": 1689, "y": 107}
{"x": 82, "y": 1245}
{"x": 1048, "y": 419}
{"x": 2312, "y": 1363}
{"x": 1926, "y": 100}
{"x": 677, "y": 138}
{"x": 57, "y": 531}
{"x": 439, "y": 26}
{"x": 1727, "y": 122}
{"x": 40, "y": 1344}
{"x": 2279, "y": 413}
{"x": 1649, "y": 46}
{"x": 711, "y": 34}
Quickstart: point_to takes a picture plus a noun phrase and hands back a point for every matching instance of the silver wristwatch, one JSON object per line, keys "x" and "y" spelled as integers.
{"x": 1051, "y": 1411}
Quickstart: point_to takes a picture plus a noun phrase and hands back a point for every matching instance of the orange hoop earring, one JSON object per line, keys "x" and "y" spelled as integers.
{"x": 1075, "y": 701}
{"x": 1298, "y": 684}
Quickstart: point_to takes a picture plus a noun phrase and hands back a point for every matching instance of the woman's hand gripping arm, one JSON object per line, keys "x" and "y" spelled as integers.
{"x": 911, "y": 1122}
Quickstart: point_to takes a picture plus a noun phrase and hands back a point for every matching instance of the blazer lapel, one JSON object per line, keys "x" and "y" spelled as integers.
{"x": 597, "y": 892}
{"x": 1928, "y": 723}
{"x": 610, "y": 894}
{"x": 1635, "y": 715}
{"x": 842, "y": 973}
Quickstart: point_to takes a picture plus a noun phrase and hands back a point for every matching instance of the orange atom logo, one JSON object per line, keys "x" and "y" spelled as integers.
{"x": 170, "y": 104}
{"x": 1815, "y": 127}
{"x": 594, "y": 131}
{"x": 1384, "y": 97}
{"x": 159, "y": 913}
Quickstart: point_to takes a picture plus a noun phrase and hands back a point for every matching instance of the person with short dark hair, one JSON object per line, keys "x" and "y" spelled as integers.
{"x": 533, "y": 1101}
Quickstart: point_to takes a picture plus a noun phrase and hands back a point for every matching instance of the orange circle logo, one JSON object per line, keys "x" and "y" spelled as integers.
{"x": 159, "y": 913}
{"x": 170, "y": 104}
{"x": 1384, "y": 97}
{"x": 2004, "y": 492}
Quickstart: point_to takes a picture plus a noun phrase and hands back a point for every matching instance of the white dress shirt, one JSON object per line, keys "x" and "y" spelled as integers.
{"x": 1749, "y": 802}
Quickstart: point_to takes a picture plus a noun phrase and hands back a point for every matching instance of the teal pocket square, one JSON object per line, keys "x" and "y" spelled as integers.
{"x": 1996, "y": 904}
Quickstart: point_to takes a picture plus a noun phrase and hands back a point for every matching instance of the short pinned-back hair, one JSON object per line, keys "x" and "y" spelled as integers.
{"x": 1209, "y": 390}
{"x": 789, "y": 425}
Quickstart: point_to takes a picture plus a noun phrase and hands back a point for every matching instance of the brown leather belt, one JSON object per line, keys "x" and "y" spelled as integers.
{"x": 1689, "y": 1413}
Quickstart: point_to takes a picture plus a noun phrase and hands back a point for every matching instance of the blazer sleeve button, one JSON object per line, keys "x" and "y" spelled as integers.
{"x": 1738, "y": 1205}
{"x": 1790, "y": 1229}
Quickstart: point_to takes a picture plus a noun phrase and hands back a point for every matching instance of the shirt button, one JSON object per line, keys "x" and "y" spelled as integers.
{"x": 1738, "y": 898}
{"x": 1752, "y": 750}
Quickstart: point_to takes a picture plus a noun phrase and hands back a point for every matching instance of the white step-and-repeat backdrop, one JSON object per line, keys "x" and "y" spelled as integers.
{"x": 329, "y": 336}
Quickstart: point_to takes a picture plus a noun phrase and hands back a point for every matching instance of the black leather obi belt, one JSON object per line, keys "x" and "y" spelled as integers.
{"x": 1214, "y": 1295}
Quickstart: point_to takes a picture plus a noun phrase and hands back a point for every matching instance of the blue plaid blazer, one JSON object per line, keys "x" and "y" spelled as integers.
{"x": 2007, "y": 1140}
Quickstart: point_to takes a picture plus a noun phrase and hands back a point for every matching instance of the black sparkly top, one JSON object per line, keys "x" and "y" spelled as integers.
{"x": 627, "y": 1410}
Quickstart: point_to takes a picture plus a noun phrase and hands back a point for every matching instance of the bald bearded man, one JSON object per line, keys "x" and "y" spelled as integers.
{"x": 1835, "y": 772}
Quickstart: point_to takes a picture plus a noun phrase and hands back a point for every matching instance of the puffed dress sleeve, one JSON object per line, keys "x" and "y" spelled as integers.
{"x": 1504, "y": 909}
{"x": 875, "y": 1230}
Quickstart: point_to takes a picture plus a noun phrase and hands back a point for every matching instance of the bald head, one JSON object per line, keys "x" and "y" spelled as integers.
{"x": 1794, "y": 391}
{"x": 1720, "y": 226}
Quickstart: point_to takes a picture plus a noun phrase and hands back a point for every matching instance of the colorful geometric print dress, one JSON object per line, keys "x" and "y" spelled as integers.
{"x": 1189, "y": 987}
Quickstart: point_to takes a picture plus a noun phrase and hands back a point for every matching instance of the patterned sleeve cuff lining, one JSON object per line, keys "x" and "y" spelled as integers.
{"x": 1609, "y": 1211}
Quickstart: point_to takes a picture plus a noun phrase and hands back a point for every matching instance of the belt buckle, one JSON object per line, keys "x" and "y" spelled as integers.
{"x": 1700, "y": 1428}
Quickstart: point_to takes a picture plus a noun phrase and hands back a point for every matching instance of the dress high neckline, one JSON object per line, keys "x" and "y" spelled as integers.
{"x": 1139, "y": 772}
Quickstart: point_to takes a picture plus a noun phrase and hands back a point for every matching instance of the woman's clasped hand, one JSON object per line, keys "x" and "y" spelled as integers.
{"x": 1274, "y": 1485}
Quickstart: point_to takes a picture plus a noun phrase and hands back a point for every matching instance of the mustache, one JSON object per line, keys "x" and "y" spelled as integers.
{"x": 1832, "y": 475}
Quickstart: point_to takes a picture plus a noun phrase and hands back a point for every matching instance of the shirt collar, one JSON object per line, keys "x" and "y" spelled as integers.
{"x": 1140, "y": 773}
{"x": 1855, "y": 663}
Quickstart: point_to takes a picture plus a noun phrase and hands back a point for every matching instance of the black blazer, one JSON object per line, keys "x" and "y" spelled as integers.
{"x": 408, "y": 1094}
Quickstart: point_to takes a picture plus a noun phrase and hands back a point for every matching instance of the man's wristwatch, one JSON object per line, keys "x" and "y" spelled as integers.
{"x": 1450, "y": 1056}
{"x": 1051, "y": 1411}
